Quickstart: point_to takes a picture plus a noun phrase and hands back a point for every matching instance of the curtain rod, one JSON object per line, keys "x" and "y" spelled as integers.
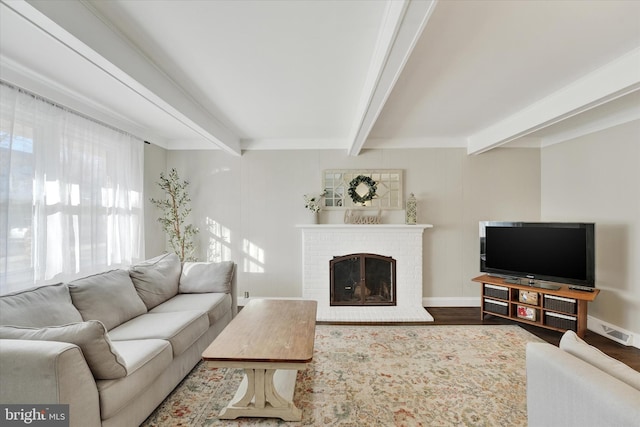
{"x": 69, "y": 110}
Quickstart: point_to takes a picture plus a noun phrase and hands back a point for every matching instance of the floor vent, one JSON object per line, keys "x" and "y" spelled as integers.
{"x": 617, "y": 335}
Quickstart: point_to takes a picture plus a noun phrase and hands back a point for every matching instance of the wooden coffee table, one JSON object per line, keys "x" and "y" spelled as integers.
{"x": 271, "y": 340}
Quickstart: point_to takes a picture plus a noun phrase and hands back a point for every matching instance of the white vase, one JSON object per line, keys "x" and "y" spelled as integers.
{"x": 313, "y": 217}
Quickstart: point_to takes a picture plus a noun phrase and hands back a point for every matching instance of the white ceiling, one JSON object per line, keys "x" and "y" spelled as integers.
{"x": 351, "y": 75}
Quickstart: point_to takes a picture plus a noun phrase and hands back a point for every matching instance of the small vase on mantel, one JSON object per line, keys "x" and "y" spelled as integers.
{"x": 314, "y": 217}
{"x": 411, "y": 210}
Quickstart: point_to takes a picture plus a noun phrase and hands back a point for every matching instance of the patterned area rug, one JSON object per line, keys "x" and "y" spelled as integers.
{"x": 382, "y": 376}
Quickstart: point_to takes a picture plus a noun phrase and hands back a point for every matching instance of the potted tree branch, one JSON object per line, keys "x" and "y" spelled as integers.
{"x": 175, "y": 209}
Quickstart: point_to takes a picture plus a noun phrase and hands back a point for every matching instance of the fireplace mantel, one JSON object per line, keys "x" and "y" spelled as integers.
{"x": 365, "y": 226}
{"x": 322, "y": 242}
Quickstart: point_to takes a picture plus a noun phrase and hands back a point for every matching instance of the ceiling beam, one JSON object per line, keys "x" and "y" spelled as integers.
{"x": 615, "y": 113}
{"x": 616, "y": 79}
{"x": 26, "y": 78}
{"x": 75, "y": 25}
{"x": 402, "y": 26}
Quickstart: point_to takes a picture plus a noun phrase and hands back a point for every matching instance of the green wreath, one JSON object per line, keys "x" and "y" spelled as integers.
{"x": 361, "y": 179}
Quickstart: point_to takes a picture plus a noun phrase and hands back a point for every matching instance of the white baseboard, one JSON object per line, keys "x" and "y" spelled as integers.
{"x": 242, "y": 301}
{"x": 613, "y": 332}
{"x": 451, "y": 302}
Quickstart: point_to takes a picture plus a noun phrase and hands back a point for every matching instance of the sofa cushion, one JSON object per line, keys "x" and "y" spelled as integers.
{"x": 181, "y": 329}
{"x": 91, "y": 336}
{"x": 146, "y": 361}
{"x": 43, "y": 306}
{"x": 203, "y": 277}
{"x": 215, "y": 305}
{"x": 109, "y": 297}
{"x": 573, "y": 344}
{"x": 156, "y": 280}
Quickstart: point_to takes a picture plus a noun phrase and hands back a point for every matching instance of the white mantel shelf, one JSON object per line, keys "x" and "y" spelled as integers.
{"x": 367, "y": 226}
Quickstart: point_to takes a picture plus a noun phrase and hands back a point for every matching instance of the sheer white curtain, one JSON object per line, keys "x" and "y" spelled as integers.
{"x": 70, "y": 194}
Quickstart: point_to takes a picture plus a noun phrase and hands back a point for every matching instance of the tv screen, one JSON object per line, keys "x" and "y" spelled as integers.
{"x": 548, "y": 251}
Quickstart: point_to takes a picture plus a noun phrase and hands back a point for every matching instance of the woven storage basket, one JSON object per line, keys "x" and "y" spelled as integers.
{"x": 565, "y": 305}
{"x": 496, "y": 291}
{"x": 497, "y": 307}
{"x": 561, "y": 321}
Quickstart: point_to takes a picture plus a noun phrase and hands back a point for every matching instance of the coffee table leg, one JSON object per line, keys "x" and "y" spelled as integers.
{"x": 265, "y": 393}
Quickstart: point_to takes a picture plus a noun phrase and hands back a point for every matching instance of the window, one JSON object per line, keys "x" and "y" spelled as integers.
{"x": 70, "y": 194}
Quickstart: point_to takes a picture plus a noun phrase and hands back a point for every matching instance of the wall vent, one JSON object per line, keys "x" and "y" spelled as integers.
{"x": 613, "y": 332}
{"x": 617, "y": 335}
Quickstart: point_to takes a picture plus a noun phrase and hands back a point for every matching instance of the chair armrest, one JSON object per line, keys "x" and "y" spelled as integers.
{"x": 41, "y": 372}
{"x": 566, "y": 391}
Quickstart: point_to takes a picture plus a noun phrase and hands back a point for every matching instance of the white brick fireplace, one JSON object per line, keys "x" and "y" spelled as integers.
{"x": 320, "y": 243}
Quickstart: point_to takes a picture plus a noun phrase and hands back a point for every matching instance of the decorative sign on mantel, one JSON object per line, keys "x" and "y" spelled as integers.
{"x": 358, "y": 217}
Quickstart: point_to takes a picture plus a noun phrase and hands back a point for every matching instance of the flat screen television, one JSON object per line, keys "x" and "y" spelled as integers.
{"x": 560, "y": 252}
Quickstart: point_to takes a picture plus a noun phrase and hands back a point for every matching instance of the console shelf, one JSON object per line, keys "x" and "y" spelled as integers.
{"x": 559, "y": 310}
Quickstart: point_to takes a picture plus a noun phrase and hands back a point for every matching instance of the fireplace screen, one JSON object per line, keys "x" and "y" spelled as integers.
{"x": 363, "y": 279}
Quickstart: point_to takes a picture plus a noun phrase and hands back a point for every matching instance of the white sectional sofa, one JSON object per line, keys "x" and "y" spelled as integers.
{"x": 115, "y": 344}
{"x": 576, "y": 385}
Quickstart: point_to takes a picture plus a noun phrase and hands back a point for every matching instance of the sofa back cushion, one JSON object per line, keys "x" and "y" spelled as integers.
{"x": 156, "y": 280}
{"x": 572, "y": 344}
{"x": 203, "y": 277}
{"x": 91, "y": 336}
{"x": 109, "y": 297}
{"x": 43, "y": 306}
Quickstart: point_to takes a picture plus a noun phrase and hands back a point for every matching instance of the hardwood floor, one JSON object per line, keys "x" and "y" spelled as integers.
{"x": 471, "y": 316}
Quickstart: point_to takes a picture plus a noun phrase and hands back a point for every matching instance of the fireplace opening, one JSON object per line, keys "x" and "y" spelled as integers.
{"x": 363, "y": 279}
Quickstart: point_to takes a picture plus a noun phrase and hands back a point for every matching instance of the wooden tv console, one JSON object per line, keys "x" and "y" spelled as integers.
{"x": 559, "y": 310}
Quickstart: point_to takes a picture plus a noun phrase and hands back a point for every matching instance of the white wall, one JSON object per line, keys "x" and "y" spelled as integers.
{"x": 155, "y": 161}
{"x": 596, "y": 178}
{"x": 258, "y": 200}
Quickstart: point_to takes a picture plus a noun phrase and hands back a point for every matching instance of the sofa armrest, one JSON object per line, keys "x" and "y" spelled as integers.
{"x": 41, "y": 372}
{"x": 565, "y": 390}
{"x": 234, "y": 291}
